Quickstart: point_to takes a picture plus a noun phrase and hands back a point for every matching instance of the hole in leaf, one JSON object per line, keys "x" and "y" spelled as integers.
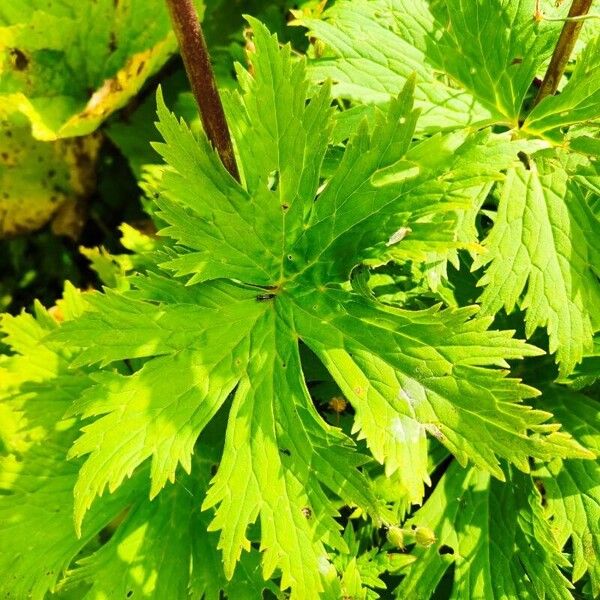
{"x": 273, "y": 181}
{"x": 20, "y": 61}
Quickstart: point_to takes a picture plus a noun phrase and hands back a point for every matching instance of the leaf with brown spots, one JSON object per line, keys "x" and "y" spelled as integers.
{"x": 42, "y": 182}
{"x": 68, "y": 65}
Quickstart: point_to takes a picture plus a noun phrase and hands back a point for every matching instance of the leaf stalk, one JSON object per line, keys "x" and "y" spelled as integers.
{"x": 564, "y": 48}
{"x": 196, "y": 60}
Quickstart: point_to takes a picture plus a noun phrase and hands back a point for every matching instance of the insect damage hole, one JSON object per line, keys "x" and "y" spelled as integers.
{"x": 19, "y": 60}
{"x": 273, "y": 181}
{"x": 306, "y": 512}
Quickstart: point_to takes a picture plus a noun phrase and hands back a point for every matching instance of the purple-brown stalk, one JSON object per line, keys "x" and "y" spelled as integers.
{"x": 196, "y": 59}
{"x": 564, "y": 48}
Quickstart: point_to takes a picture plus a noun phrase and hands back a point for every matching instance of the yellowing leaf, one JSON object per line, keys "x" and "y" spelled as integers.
{"x": 68, "y": 65}
{"x": 42, "y": 182}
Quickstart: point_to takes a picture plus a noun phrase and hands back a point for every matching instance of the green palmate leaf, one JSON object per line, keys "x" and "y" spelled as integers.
{"x": 362, "y": 571}
{"x": 36, "y": 482}
{"x": 488, "y": 52}
{"x": 160, "y": 410}
{"x": 588, "y": 371}
{"x": 149, "y": 554}
{"x": 412, "y": 372}
{"x": 474, "y": 60}
{"x": 544, "y": 238}
{"x": 278, "y": 454}
{"x": 494, "y": 50}
{"x": 267, "y": 264}
{"x": 578, "y": 101}
{"x": 496, "y": 535}
{"x": 375, "y": 47}
{"x": 68, "y": 65}
{"x": 156, "y": 549}
{"x": 572, "y": 489}
{"x": 208, "y": 579}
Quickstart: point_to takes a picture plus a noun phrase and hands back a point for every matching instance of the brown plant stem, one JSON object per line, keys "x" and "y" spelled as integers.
{"x": 196, "y": 60}
{"x": 564, "y": 48}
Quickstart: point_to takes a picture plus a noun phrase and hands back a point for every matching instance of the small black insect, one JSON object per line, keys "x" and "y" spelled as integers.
{"x": 264, "y": 297}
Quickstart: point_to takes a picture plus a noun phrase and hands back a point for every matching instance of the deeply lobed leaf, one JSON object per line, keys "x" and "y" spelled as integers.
{"x": 283, "y": 245}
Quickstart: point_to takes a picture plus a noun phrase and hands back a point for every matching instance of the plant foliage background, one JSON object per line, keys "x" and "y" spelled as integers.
{"x": 368, "y": 370}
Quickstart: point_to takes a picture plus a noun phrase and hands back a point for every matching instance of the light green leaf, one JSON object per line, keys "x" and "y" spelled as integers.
{"x": 578, "y": 101}
{"x": 149, "y": 554}
{"x": 372, "y": 50}
{"x": 494, "y": 48}
{"x": 158, "y": 412}
{"x": 37, "y": 536}
{"x": 267, "y": 263}
{"x": 403, "y": 384}
{"x": 491, "y": 49}
{"x": 572, "y": 487}
{"x": 496, "y": 535}
{"x": 125, "y": 327}
{"x": 542, "y": 240}
{"x": 278, "y": 456}
{"x": 277, "y": 130}
{"x": 385, "y": 186}
{"x": 36, "y": 516}
{"x": 200, "y": 196}
{"x": 208, "y": 581}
